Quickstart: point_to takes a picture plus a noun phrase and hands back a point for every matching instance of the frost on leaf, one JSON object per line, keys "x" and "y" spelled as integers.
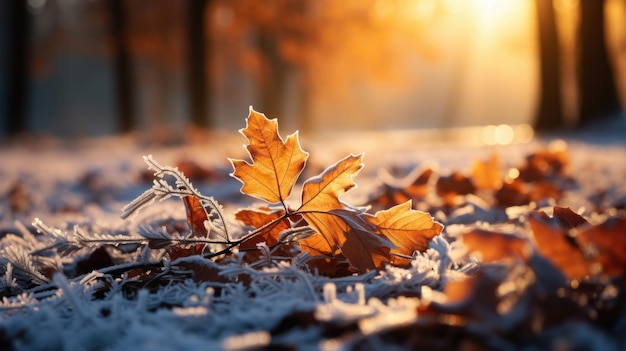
{"x": 276, "y": 164}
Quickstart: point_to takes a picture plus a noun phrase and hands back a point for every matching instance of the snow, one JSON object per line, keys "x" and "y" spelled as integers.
{"x": 84, "y": 184}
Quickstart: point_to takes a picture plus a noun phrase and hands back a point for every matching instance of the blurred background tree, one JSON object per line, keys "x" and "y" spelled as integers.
{"x": 160, "y": 67}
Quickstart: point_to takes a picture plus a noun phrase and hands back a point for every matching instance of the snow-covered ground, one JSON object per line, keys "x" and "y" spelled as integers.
{"x": 86, "y": 183}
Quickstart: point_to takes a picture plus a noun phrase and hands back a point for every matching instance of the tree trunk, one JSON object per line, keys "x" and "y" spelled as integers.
{"x": 18, "y": 61}
{"x": 550, "y": 109}
{"x": 597, "y": 91}
{"x": 199, "y": 88}
{"x": 274, "y": 74}
{"x": 122, "y": 67}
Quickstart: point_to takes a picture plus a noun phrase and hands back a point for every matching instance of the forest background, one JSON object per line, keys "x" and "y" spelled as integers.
{"x": 94, "y": 67}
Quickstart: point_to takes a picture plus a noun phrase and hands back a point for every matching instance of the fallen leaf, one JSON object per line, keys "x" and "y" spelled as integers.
{"x": 512, "y": 193}
{"x": 451, "y": 186}
{"x": 198, "y": 220}
{"x": 410, "y": 230}
{"x": 394, "y": 192}
{"x": 277, "y": 164}
{"x": 259, "y": 218}
{"x": 472, "y": 298}
{"x": 342, "y": 228}
{"x": 495, "y": 246}
{"x": 270, "y": 235}
{"x": 567, "y": 218}
{"x": 321, "y": 193}
{"x": 607, "y": 243}
{"x": 487, "y": 174}
{"x": 553, "y": 243}
{"x": 546, "y": 164}
{"x": 197, "y": 216}
{"x": 350, "y": 233}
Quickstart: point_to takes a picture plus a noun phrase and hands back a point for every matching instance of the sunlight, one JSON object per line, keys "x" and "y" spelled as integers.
{"x": 490, "y": 9}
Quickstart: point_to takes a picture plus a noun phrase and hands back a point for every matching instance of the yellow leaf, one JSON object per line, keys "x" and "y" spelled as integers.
{"x": 277, "y": 164}
{"x": 410, "y": 230}
{"x": 322, "y": 193}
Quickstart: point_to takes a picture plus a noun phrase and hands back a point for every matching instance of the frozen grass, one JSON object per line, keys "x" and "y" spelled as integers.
{"x": 85, "y": 185}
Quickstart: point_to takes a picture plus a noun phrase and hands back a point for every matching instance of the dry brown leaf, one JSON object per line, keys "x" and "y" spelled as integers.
{"x": 545, "y": 164}
{"x": 494, "y": 246}
{"x": 413, "y": 187}
{"x": 257, "y": 219}
{"x": 198, "y": 220}
{"x": 567, "y": 218}
{"x": 512, "y": 193}
{"x": 553, "y": 243}
{"x": 196, "y": 216}
{"x": 277, "y": 164}
{"x": 607, "y": 242}
{"x": 450, "y": 187}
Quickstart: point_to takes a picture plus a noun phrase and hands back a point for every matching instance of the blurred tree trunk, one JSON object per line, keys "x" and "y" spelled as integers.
{"x": 17, "y": 24}
{"x": 199, "y": 85}
{"x": 122, "y": 67}
{"x": 550, "y": 110}
{"x": 274, "y": 75}
{"x": 596, "y": 85}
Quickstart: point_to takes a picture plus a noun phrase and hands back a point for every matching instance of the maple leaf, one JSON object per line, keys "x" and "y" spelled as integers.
{"x": 259, "y": 218}
{"x": 355, "y": 237}
{"x": 277, "y": 164}
{"x": 342, "y": 228}
{"x": 410, "y": 230}
{"x": 322, "y": 193}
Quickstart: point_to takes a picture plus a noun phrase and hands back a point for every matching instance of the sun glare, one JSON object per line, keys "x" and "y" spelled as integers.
{"x": 495, "y": 8}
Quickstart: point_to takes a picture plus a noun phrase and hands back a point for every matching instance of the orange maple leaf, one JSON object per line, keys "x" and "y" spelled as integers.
{"x": 347, "y": 230}
{"x": 410, "y": 230}
{"x": 322, "y": 193}
{"x": 342, "y": 228}
{"x": 277, "y": 164}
